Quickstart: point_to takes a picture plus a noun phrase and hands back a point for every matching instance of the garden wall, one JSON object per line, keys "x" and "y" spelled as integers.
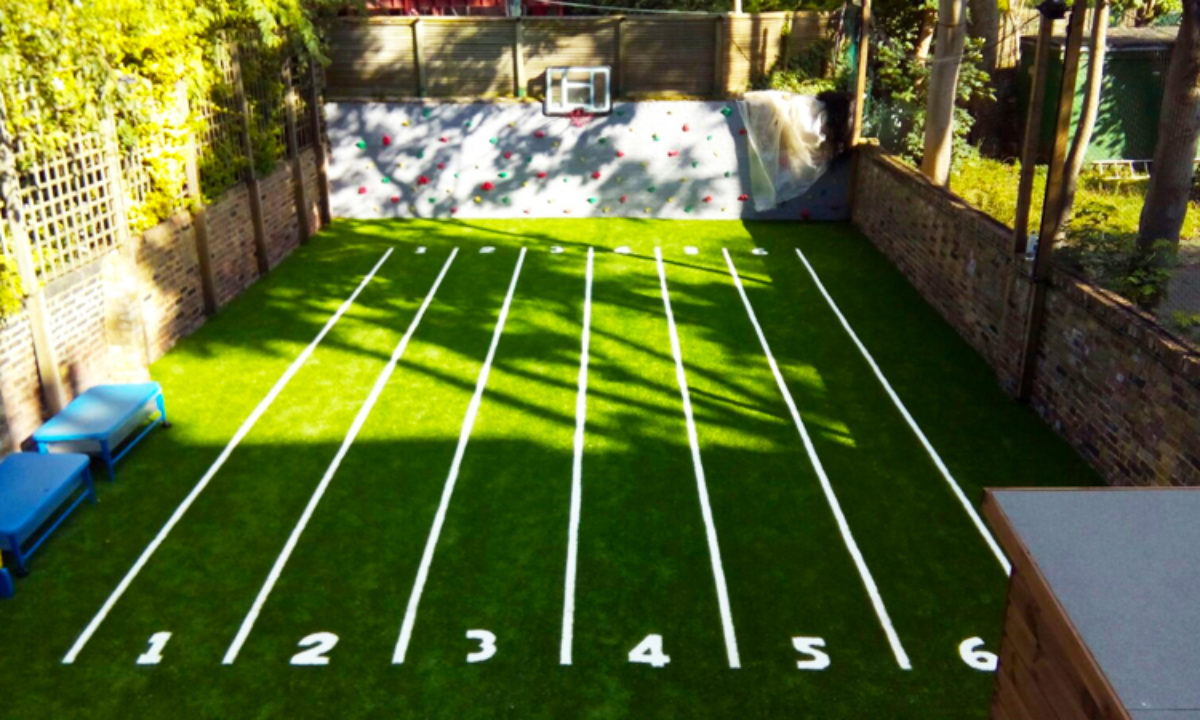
{"x": 1112, "y": 381}
{"x": 666, "y": 159}
{"x": 111, "y": 318}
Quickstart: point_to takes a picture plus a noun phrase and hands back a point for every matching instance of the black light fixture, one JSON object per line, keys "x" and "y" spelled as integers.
{"x": 1053, "y": 9}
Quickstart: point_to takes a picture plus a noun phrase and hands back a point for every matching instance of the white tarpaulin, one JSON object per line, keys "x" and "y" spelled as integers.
{"x": 788, "y": 153}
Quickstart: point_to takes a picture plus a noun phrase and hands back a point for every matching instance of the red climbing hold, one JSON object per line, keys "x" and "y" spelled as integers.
{"x": 526, "y": 211}
{"x": 395, "y": 199}
{"x": 387, "y": 140}
{"x": 742, "y": 131}
{"x": 507, "y": 155}
{"x": 708, "y": 198}
{"x": 441, "y": 166}
{"x": 362, "y": 190}
{"x": 620, "y": 153}
{"x": 486, "y": 186}
{"x": 596, "y": 175}
{"x": 566, "y": 212}
{"x": 542, "y": 174}
{"x": 672, "y": 153}
{"x": 443, "y": 139}
{"x": 624, "y": 198}
{"x": 453, "y": 211}
{"x": 743, "y": 197}
{"x": 540, "y": 134}
{"x": 686, "y": 127}
{"x": 422, "y": 180}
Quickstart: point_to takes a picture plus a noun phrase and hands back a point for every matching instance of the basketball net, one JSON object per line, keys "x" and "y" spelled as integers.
{"x": 579, "y": 117}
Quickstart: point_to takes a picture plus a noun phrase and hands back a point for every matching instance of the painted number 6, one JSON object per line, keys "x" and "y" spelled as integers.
{"x": 487, "y": 645}
{"x": 315, "y": 647}
{"x": 973, "y": 655}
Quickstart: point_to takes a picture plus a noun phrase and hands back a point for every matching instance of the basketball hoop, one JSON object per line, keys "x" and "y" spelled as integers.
{"x": 579, "y": 117}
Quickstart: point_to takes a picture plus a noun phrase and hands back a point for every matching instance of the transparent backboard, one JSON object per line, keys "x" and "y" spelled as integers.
{"x": 578, "y": 88}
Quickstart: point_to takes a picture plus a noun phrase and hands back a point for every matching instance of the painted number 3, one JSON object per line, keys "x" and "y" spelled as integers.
{"x": 487, "y": 645}
{"x": 314, "y": 649}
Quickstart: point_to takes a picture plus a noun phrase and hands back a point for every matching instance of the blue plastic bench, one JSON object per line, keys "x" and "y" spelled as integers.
{"x": 32, "y": 488}
{"x": 104, "y": 415}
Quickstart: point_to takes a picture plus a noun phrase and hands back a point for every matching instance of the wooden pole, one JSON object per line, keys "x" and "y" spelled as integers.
{"x": 304, "y": 219}
{"x": 1052, "y": 205}
{"x": 519, "y": 58}
{"x": 619, "y": 55}
{"x": 1033, "y": 133}
{"x": 316, "y": 112}
{"x": 860, "y": 83}
{"x": 54, "y": 393}
{"x": 719, "y": 33}
{"x": 251, "y": 176}
{"x": 418, "y": 32}
{"x": 191, "y": 171}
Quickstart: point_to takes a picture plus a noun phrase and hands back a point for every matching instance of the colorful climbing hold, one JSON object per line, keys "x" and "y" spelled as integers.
{"x": 708, "y": 198}
{"x": 624, "y": 198}
{"x": 688, "y": 209}
{"x": 651, "y": 189}
{"x": 742, "y": 131}
{"x": 453, "y": 211}
{"x": 727, "y": 173}
{"x": 526, "y": 211}
{"x": 361, "y": 145}
{"x": 596, "y": 175}
{"x": 694, "y": 163}
{"x": 362, "y": 190}
{"x": 405, "y": 123}
{"x": 602, "y": 141}
{"x": 486, "y": 186}
{"x": 671, "y": 199}
{"x": 592, "y": 200}
{"x": 504, "y": 200}
{"x": 386, "y": 180}
{"x": 743, "y": 197}
{"x": 655, "y": 137}
{"x": 709, "y": 137}
{"x": 507, "y": 154}
{"x": 420, "y": 153}
{"x": 426, "y": 112}
{"x": 540, "y": 134}
{"x": 395, "y": 199}
{"x": 441, "y": 166}
{"x": 478, "y": 199}
{"x": 387, "y": 140}
{"x": 493, "y": 140}
{"x": 726, "y": 111}
{"x": 620, "y": 113}
{"x": 620, "y": 154}
{"x": 422, "y": 180}
{"x": 542, "y": 174}
{"x": 686, "y": 127}
{"x": 432, "y": 201}
{"x": 443, "y": 139}
{"x": 672, "y": 153}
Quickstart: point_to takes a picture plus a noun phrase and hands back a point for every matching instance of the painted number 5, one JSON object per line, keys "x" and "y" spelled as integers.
{"x": 817, "y": 659}
{"x": 315, "y": 647}
{"x": 487, "y": 645}
{"x": 973, "y": 655}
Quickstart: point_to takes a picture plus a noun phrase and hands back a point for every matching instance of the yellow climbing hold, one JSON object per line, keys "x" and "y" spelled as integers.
{"x": 405, "y": 123}
{"x": 671, "y": 199}
{"x": 478, "y": 199}
{"x": 606, "y": 208}
{"x": 525, "y": 184}
{"x": 647, "y": 209}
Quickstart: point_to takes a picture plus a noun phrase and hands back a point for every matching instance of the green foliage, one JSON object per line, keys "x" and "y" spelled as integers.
{"x": 1186, "y": 323}
{"x": 901, "y": 90}
{"x": 11, "y": 291}
{"x": 1111, "y": 258}
{"x": 812, "y": 71}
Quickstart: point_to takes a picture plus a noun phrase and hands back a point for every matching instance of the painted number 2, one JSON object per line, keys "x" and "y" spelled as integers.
{"x": 972, "y": 653}
{"x": 816, "y": 659}
{"x": 487, "y": 645}
{"x": 314, "y": 648}
{"x": 153, "y": 654}
{"x": 650, "y": 652}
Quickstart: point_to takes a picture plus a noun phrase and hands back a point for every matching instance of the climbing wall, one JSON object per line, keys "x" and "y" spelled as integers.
{"x": 677, "y": 160}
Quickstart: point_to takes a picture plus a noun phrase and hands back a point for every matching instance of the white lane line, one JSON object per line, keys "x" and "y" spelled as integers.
{"x": 245, "y": 427}
{"x": 714, "y": 550}
{"x": 568, "y": 623}
{"x": 844, "y": 527}
{"x": 908, "y": 418}
{"x": 359, "y": 420}
{"x": 414, "y": 600}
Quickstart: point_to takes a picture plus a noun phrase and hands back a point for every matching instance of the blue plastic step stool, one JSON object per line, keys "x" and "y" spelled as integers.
{"x": 104, "y": 415}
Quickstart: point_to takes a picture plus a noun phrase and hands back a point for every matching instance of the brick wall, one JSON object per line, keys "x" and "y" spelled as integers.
{"x": 278, "y": 201}
{"x": 1119, "y": 387}
{"x": 109, "y": 319}
{"x": 231, "y": 244}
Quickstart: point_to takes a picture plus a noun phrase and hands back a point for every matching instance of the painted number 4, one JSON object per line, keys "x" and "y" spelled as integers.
{"x": 973, "y": 655}
{"x": 650, "y": 652}
{"x": 314, "y": 648}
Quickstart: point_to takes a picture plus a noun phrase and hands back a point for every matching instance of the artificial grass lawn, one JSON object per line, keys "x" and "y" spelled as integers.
{"x": 644, "y": 565}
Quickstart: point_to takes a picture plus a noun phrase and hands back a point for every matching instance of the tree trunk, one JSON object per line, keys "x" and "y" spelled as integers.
{"x": 1171, "y": 176}
{"x": 943, "y": 89}
{"x": 984, "y": 23}
{"x": 925, "y": 34}
{"x": 1097, "y": 50}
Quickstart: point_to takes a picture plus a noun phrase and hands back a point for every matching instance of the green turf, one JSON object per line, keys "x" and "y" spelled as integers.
{"x": 644, "y": 564}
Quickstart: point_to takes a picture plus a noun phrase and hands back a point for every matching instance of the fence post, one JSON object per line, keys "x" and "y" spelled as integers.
{"x": 719, "y": 89}
{"x": 315, "y": 112}
{"x": 53, "y": 392}
{"x": 619, "y": 57}
{"x": 116, "y": 181}
{"x": 251, "y": 176}
{"x": 519, "y": 57}
{"x": 191, "y": 165}
{"x": 418, "y": 60}
{"x": 293, "y": 152}
{"x": 860, "y": 80}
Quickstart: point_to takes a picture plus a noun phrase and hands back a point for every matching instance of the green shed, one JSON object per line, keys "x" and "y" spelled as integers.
{"x": 1135, "y": 71}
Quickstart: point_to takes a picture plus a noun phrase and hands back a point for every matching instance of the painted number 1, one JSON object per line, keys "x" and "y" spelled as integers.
{"x": 314, "y": 649}
{"x": 153, "y": 654}
{"x": 650, "y": 652}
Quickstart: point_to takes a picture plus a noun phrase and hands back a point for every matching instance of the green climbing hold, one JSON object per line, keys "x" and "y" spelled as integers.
{"x": 504, "y": 175}
{"x": 710, "y": 137}
{"x": 694, "y": 163}
{"x": 651, "y": 189}
{"x": 504, "y": 200}
{"x": 688, "y": 209}
{"x": 426, "y": 112}
{"x": 655, "y": 137}
{"x": 361, "y": 145}
{"x": 564, "y": 179}
{"x": 620, "y": 113}
{"x": 727, "y": 173}
{"x": 456, "y": 174}
{"x": 592, "y": 200}
{"x": 386, "y": 180}
{"x": 467, "y": 124}
{"x": 726, "y": 111}
{"x": 420, "y": 153}
{"x": 528, "y": 158}
{"x": 494, "y": 140}
{"x": 603, "y": 140}
{"x": 432, "y": 201}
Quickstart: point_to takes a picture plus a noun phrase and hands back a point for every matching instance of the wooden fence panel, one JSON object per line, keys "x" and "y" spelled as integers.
{"x": 669, "y": 56}
{"x": 468, "y": 57}
{"x": 551, "y": 41}
{"x": 372, "y": 60}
